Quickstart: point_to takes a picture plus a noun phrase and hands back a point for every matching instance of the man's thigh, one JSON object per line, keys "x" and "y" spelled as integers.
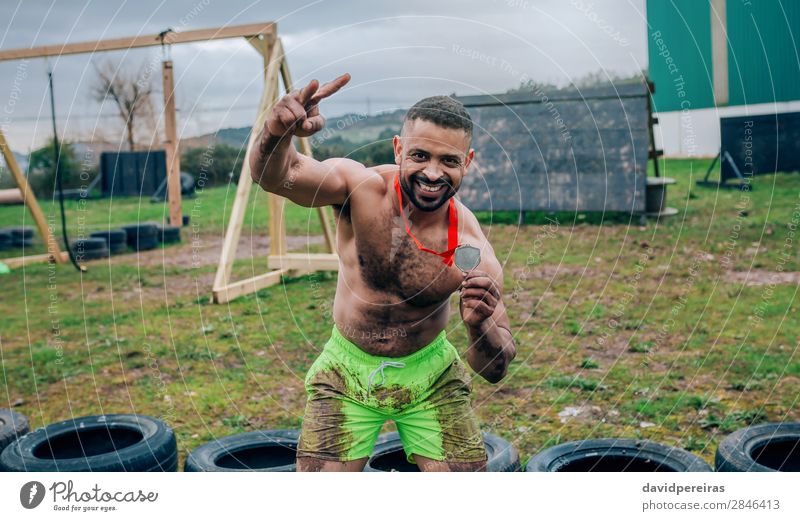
{"x": 337, "y": 431}
{"x": 443, "y": 428}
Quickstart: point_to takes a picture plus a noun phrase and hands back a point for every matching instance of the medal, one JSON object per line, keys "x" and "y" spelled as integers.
{"x": 467, "y": 257}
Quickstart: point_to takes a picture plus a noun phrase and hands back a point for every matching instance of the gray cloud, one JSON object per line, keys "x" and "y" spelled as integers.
{"x": 396, "y": 53}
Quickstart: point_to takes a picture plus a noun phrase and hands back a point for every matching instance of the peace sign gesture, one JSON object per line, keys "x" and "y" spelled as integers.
{"x": 297, "y": 113}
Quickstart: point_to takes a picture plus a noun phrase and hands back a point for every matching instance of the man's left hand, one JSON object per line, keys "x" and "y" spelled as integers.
{"x": 479, "y": 298}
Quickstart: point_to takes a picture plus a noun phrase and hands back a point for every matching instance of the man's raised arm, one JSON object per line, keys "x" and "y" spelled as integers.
{"x": 277, "y": 167}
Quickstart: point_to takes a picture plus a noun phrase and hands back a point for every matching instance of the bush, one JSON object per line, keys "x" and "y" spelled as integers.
{"x": 213, "y": 165}
{"x": 370, "y": 153}
{"x": 42, "y": 172}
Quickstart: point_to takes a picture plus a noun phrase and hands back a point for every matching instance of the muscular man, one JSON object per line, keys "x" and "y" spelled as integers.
{"x": 388, "y": 357}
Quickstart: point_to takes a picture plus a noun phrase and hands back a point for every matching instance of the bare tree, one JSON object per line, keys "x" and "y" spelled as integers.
{"x": 131, "y": 94}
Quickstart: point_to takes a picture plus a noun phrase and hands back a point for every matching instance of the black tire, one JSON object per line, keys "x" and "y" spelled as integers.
{"x": 92, "y": 255}
{"x": 90, "y": 244}
{"x": 12, "y": 426}
{"x": 769, "y": 447}
{"x": 143, "y": 236}
{"x": 5, "y": 239}
{"x": 108, "y": 443}
{"x": 19, "y": 233}
{"x": 388, "y": 455}
{"x": 112, "y": 237}
{"x": 22, "y": 243}
{"x": 169, "y": 234}
{"x": 117, "y": 240}
{"x": 147, "y": 243}
{"x": 120, "y": 247}
{"x": 615, "y": 455}
{"x": 261, "y": 451}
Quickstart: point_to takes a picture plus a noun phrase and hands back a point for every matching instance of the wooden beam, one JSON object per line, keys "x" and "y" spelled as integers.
{"x": 235, "y": 290}
{"x": 267, "y": 29}
{"x": 171, "y": 146}
{"x": 719, "y": 51}
{"x": 17, "y": 262}
{"x": 277, "y": 225}
{"x": 233, "y": 231}
{"x": 29, "y": 198}
{"x": 304, "y": 261}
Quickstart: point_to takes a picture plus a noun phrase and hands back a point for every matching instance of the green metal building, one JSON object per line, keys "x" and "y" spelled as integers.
{"x": 723, "y": 53}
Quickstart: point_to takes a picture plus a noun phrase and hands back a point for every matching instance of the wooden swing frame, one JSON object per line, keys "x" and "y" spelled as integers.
{"x": 279, "y": 261}
{"x": 263, "y": 37}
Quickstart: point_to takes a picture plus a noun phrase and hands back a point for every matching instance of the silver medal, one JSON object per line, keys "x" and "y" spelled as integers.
{"x": 466, "y": 257}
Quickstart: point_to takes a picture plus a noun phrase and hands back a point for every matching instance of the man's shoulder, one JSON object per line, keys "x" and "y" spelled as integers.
{"x": 472, "y": 227}
{"x": 360, "y": 177}
{"x": 471, "y": 224}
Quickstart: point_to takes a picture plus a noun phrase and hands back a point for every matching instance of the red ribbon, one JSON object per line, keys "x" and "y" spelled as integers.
{"x": 452, "y": 228}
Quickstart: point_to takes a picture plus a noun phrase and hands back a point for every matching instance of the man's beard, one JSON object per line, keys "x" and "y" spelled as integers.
{"x": 423, "y": 203}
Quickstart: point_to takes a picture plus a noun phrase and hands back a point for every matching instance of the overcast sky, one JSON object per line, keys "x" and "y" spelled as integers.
{"x": 397, "y": 52}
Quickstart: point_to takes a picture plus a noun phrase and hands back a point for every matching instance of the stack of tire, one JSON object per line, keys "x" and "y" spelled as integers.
{"x": 107, "y": 443}
{"x": 117, "y": 240}
{"x": 142, "y": 236}
{"x": 90, "y": 249}
{"x": 16, "y": 237}
{"x": 169, "y": 234}
{"x": 5, "y": 239}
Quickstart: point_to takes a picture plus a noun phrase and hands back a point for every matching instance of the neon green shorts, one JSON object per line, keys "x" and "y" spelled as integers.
{"x": 352, "y": 393}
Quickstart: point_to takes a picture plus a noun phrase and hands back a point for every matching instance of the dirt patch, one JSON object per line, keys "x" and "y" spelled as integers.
{"x": 762, "y": 277}
{"x": 205, "y": 250}
{"x": 582, "y": 413}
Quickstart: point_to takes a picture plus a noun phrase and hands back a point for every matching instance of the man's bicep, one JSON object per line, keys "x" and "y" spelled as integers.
{"x": 313, "y": 183}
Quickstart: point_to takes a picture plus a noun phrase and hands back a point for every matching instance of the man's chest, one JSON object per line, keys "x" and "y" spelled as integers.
{"x": 390, "y": 261}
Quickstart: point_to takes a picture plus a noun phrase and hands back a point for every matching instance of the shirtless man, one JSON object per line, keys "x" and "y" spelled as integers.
{"x": 388, "y": 357}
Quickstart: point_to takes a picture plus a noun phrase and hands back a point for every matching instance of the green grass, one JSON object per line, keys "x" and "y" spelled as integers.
{"x": 605, "y": 313}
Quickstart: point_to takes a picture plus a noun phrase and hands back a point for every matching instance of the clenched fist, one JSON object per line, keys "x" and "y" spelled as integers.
{"x": 297, "y": 113}
{"x": 479, "y": 298}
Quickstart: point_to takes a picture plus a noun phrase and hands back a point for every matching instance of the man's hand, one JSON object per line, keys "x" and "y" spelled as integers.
{"x": 297, "y": 113}
{"x": 479, "y": 298}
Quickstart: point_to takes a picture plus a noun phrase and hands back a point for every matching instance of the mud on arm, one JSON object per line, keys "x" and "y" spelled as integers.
{"x": 491, "y": 345}
{"x": 276, "y": 166}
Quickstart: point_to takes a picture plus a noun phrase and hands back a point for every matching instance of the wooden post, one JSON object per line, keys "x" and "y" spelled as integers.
{"x": 171, "y": 146}
{"x": 54, "y": 252}
{"x": 233, "y": 231}
{"x": 280, "y": 261}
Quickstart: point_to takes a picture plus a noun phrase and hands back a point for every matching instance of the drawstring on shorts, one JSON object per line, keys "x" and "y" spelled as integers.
{"x": 384, "y": 364}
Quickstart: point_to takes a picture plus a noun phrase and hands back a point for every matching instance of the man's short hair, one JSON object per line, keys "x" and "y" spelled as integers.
{"x": 443, "y": 111}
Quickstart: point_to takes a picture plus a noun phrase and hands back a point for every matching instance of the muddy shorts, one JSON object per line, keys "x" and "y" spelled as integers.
{"x": 352, "y": 393}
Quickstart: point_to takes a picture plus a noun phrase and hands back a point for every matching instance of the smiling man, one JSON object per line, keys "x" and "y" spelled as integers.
{"x": 388, "y": 357}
